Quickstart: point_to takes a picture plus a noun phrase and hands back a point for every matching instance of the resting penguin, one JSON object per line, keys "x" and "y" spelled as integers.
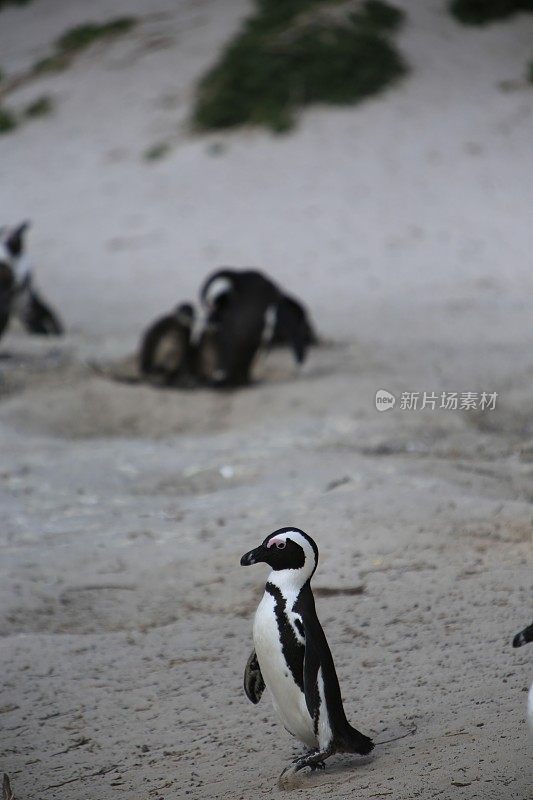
{"x": 165, "y": 353}
{"x": 291, "y": 655}
{"x": 292, "y": 324}
{"x": 18, "y": 295}
{"x": 241, "y": 306}
{"x": 525, "y": 637}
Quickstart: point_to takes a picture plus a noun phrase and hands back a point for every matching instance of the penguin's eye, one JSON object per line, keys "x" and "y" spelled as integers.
{"x": 280, "y": 545}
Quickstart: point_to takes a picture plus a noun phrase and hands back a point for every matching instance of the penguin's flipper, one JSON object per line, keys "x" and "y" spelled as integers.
{"x": 291, "y": 326}
{"x": 38, "y": 317}
{"x": 311, "y": 667}
{"x": 254, "y": 685}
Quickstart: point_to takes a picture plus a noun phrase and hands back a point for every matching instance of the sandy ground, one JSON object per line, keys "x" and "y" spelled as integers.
{"x": 406, "y": 225}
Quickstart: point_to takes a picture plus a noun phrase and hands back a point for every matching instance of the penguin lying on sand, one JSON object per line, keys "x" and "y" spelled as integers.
{"x": 292, "y": 320}
{"x": 165, "y": 356}
{"x": 17, "y": 294}
{"x": 242, "y": 307}
{"x": 291, "y": 655}
{"x": 525, "y": 637}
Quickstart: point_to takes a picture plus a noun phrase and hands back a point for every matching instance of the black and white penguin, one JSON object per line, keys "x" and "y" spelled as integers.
{"x": 242, "y": 307}
{"x": 291, "y": 655}
{"x": 293, "y": 324}
{"x": 166, "y": 353}
{"x": 237, "y": 302}
{"x": 18, "y": 296}
{"x": 526, "y": 637}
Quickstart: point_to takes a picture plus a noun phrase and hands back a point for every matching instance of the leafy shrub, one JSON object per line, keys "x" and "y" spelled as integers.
{"x": 8, "y": 121}
{"x": 479, "y": 12}
{"x": 293, "y": 53}
{"x": 40, "y": 107}
{"x": 79, "y": 38}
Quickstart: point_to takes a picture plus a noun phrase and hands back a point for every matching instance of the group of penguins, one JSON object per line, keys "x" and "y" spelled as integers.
{"x": 241, "y": 312}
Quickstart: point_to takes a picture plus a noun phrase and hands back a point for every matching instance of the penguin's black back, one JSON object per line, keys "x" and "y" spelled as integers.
{"x": 238, "y": 321}
{"x": 293, "y": 321}
{"x": 318, "y": 656}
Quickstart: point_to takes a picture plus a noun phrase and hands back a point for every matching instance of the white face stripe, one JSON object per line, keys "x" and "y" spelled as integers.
{"x": 19, "y": 264}
{"x": 293, "y": 577}
{"x": 216, "y": 288}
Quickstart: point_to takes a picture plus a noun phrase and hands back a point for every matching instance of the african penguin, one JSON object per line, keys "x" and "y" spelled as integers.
{"x": 237, "y": 304}
{"x": 291, "y": 655}
{"x": 293, "y": 326}
{"x": 165, "y": 352}
{"x": 525, "y": 637}
{"x": 242, "y": 307}
{"x": 18, "y": 296}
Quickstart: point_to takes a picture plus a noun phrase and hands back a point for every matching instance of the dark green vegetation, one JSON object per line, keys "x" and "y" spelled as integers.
{"x": 4, "y": 3}
{"x": 479, "y": 12}
{"x": 40, "y": 107}
{"x": 7, "y": 121}
{"x": 76, "y": 39}
{"x": 292, "y": 53}
{"x": 529, "y": 72}
{"x": 157, "y": 151}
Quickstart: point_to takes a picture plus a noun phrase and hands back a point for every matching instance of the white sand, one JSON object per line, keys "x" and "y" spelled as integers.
{"x": 406, "y": 225}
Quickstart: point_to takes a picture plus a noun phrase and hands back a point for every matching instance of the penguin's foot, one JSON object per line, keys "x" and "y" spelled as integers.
{"x": 290, "y": 778}
{"x": 314, "y": 759}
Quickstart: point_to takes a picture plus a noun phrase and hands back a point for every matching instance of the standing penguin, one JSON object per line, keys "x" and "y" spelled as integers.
{"x": 291, "y": 654}
{"x": 242, "y": 308}
{"x": 525, "y": 637}
{"x": 165, "y": 353}
{"x": 18, "y": 295}
{"x": 238, "y": 302}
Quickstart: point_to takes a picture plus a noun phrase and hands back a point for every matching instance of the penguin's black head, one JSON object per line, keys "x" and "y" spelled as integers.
{"x": 11, "y": 258}
{"x": 524, "y": 637}
{"x": 185, "y": 314}
{"x": 14, "y": 241}
{"x": 286, "y": 549}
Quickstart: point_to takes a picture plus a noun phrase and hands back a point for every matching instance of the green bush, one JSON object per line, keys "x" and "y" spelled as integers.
{"x": 82, "y": 36}
{"x": 288, "y": 56}
{"x": 479, "y": 12}
{"x": 8, "y": 121}
{"x": 40, "y": 107}
{"x": 4, "y": 3}
{"x": 79, "y": 38}
{"x": 156, "y": 151}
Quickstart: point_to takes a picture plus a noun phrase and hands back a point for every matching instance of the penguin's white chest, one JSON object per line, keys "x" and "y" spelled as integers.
{"x": 288, "y": 699}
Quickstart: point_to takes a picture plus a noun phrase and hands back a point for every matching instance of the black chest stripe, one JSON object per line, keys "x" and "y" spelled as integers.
{"x": 293, "y": 650}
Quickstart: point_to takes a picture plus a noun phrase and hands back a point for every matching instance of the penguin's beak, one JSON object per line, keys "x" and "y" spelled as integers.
{"x": 254, "y": 556}
{"x": 524, "y": 637}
